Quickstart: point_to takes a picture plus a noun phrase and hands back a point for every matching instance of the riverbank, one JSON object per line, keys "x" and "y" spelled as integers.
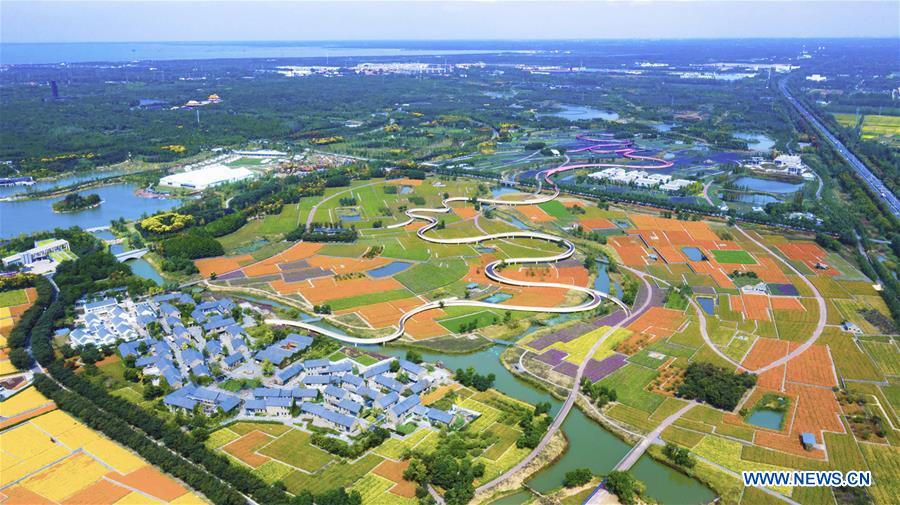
{"x": 550, "y": 455}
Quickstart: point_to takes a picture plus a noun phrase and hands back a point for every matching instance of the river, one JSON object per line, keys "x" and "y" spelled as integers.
{"x": 118, "y": 200}
{"x": 590, "y": 445}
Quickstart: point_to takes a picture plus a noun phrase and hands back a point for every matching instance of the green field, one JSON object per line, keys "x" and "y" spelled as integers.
{"x": 369, "y": 299}
{"x": 482, "y": 318}
{"x": 10, "y": 298}
{"x": 427, "y": 276}
{"x": 294, "y": 449}
{"x": 885, "y": 354}
{"x": 555, "y": 209}
{"x": 629, "y": 383}
{"x": 728, "y": 257}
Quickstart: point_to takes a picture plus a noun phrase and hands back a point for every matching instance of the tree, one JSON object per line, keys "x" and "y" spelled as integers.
{"x": 90, "y": 354}
{"x": 413, "y": 356}
{"x": 577, "y": 477}
{"x": 624, "y": 486}
{"x": 20, "y": 358}
{"x": 395, "y": 366}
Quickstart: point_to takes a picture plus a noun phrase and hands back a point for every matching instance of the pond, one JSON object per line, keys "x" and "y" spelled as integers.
{"x": 485, "y": 249}
{"x": 143, "y": 268}
{"x": 693, "y": 253}
{"x": 104, "y": 235}
{"x": 581, "y": 112}
{"x": 351, "y": 218}
{"x": 766, "y": 418}
{"x": 757, "y": 141}
{"x": 707, "y": 304}
{"x": 497, "y": 298}
{"x": 602, "y": 282}
{"x": 767, "y": 185}
{"x": 405, "y": 190}
{"x": 515, "y": 222}
{"x": 589, "y": 444}
{"x": 662, "y": 127}
{"x": 119, "y": 200}
{"x": 390, "y": 269}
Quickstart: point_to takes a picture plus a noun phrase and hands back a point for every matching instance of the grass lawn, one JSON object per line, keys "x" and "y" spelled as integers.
{"x": 482, "y": 318}
{"x": 555, "y": 209}
{"x": 629, "y": 383}
{"x": 427, "y": 276}
{"x": 365, "y": 360}
{"x": 295, "y": 449}
{"x": 727, "y": 257}
{"x": 10, "y": 298}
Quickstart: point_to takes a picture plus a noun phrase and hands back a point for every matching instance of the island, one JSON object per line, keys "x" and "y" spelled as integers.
{"x": 75, "y": 202}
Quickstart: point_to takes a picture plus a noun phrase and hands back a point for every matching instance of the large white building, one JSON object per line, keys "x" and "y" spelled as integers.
{"x": 40, "y": 252}
{"x": 206, "y": 177}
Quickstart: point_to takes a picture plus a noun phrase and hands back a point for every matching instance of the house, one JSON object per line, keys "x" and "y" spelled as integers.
{"x": 389, "y": 383}
{"x": 316, "y": 381}
{"x": 330, "y": 418}
{"x": 233, "y": 360}
{"x": 402, "y": 408}
{"x": 377, "y": 369}
{"x": 437, "y": 416}
{"x": 333, "y": 394}
{"x": 808, "y": 440}
{"x": 317, "y": 366}
{"x": 191, "y": 395}
{"x": 340, "y": 368}
{"x": 284, "y": 375}
{"x": 420, "y": 386}
{"x": 413, "y": 370}
{"x": 348, "y": 406}
{"x": 387, "y": 400}
{"x": 284, "y": 350}
{"x": 279, "y": 406}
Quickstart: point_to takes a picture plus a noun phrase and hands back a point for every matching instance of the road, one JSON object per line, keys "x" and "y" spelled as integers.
{"x": 573, "y": 393}
{"x": 870, "y": 179}
{"x": 638, "y": 450}
{"x": 312, "y": 212}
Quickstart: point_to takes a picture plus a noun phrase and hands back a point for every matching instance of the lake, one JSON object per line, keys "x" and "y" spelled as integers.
{"x": 757, "y": 141}
{"x": 581, "y": 112}
{"x": 767, "y": 185}
{"x": 58, "y": 183}
{"x": 589, "y": 444}
{"x": 756, "y": 198}
{"x": 602, "y": 283}
{"x": 119, "y": 200}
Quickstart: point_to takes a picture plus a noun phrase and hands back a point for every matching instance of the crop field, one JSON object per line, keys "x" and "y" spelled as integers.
{"x": 338, "y": 475}
{"x": 728, "y": 454}
{"x": 428, "y": 276}
{"x": 245, "y": 448}
{"x": 53, "y": 458}
{"x": 885, "y": 354}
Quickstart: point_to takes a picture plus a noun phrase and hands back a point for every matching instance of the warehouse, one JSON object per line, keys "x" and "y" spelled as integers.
{"x": 206, "y": 177}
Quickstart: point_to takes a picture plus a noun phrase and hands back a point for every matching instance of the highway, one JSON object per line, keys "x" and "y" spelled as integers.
{"x": 874, "y": 182}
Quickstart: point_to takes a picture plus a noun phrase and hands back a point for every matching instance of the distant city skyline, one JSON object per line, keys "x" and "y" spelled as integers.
{"x": 142, "y": 21}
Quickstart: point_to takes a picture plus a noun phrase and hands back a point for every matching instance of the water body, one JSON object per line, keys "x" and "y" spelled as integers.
{"x": 692, "y": 253}
{"x": 662, "y": 127}
{"x": 756, "y": 199}
{"x": 767, "y": 185}
{"x": 58, "y": 183}
{"x": 589, "y": 444}
{"x": 104, "y": 235}
{"x": 143, "y": 268}
{"x": 390, "y": 269}
{"x": 497, "y": 298}
{"x": 498, "y": 192}
{"x": 581, "y": 112}
{"x": 351, "y": 218}
{"x": 42, "y": 53}
{"x": 405, "y": 190}
{"x": 516, "y": 222}
{"x": 707, "y": 304}
{"x": 757, "y": 141}
{"x": 119, "y": 200}
{"x": 766, "y": 418}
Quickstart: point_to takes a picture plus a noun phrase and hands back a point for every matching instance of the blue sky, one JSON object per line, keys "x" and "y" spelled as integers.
{"x": 124, "y": 20}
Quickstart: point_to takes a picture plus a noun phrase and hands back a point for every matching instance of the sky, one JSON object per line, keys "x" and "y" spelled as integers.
{"x": 168, "y": 20}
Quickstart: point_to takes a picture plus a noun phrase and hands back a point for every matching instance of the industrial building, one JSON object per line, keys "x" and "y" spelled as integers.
{"x": 206, "y": 177}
